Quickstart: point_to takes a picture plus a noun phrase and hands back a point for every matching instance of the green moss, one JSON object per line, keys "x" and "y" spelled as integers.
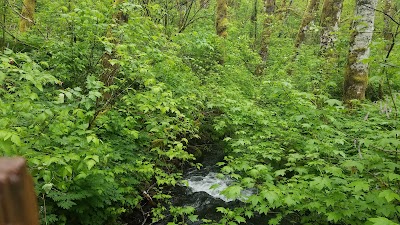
{"x": 221, "y": 24}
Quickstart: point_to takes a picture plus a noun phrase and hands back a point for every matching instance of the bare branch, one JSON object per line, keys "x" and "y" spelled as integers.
{"x": 389, "y": 16}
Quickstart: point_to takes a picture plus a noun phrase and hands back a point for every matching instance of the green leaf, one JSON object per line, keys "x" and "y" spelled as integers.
{"x": 240, "y": 219}
{"x": 389, "y": 195}
{"x": 359, "y": 185}
{"x": 227, "y": 169}
{"x": 16, "y": 140}
{"x": 320, "y": 182}
{"x": 353, "y": 164}
{"x": 332, "y": 102}
{"x": 249, "y": 214}
{"x": 336, "y": 171}
{"x": 47, "y": 187}
{"x": 38, "y": 86}
{"x": 254, "y": 199}
{"x": 381, "y": 221}
{"x": 2, "y": 76}
{"x": 60, "y": 98}
{"x": 271, "y": 196}
{"x": 334, "y": 216}
{"x": 276, "y": 220}
{"x": 393, "y": 176}
{"x": 90, "y": 163}
{"x": 280, "y": 173}
{"x": 193, "y": 218}
{"x": 248, "y": 182}
{"x": 289, "y": 200}
{"x": 232, "y": 192}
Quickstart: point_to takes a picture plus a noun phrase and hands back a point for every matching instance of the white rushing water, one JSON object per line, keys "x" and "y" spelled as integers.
{"x": 205, "y": 183}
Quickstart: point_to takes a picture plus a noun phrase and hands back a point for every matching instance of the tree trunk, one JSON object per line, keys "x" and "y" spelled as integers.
{"x": 269, "y": 6}
{"x": 110, "y": 70}
{"x": 253, "y": 18}
{"x": 309, "y": 16}
{"x": 356, "y": 76}
{"x": 330, "y": 19}
{"x": 221, "y": 24}
{"x": 28, "y": 9}
{"x": 267, "y": 29}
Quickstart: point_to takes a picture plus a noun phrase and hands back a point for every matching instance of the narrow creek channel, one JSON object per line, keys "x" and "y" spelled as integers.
{"x": 198, "y": 193}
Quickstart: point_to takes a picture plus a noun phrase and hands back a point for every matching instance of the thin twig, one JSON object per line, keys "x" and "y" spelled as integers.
{"x": 15, "y": 38}
{"x": 384, "y": 13}
{"x": 44, "y": 209}
{"x": 20, "y": 15}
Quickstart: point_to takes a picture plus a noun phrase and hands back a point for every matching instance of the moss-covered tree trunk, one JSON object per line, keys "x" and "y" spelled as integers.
{"x": 267, "y": 28}
{"x": 253, "y": 18}
{"x": 356, "y": 76}
{"x": 269, "y": 6}
{"x": 28, "y": 10}
{"x": 110, "y": 70}
{"x": 309, "y": 16}
{"x": 221, "y": 23}
{"x": 330, "y": 18}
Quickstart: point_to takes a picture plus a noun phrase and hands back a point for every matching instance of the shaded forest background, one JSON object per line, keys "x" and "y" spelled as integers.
{"x": 110, "y": 100}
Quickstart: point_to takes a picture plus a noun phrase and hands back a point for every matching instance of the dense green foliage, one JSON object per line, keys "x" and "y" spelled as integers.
{"x": 287, "y": 134}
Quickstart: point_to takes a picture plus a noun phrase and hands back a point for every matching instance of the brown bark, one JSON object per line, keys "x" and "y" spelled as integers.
{"x": 356, "y": 76}
{"x": 28, "y": 10}
{"x": 309, "y": 16}
{"x": 221, "y": 23}
{"x": 330, "y": 19}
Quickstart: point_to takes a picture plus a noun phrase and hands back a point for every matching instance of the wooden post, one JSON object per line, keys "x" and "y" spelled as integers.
{"x": 18, "y": 204}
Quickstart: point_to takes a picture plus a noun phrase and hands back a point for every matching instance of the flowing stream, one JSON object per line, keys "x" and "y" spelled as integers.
{"x": 203, "y": 191}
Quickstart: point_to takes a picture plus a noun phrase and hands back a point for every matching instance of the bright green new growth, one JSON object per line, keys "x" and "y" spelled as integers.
{"x": 307, "y": 157}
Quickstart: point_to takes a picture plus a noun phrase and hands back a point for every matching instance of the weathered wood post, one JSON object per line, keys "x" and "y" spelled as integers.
{"x": 18, "y": 205}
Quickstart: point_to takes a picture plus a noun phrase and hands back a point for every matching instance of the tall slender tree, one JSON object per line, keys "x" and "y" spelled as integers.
{"x": 330, "y": 18}
{"x": 221, "y": 23}
{"x": 308, "y": 17}
{"x": 110, "y": 70}
{"x": 356, "y": 76}
{"x": 254, "y": 16}
{"x": 269, "y": 6}
{"x": 267, "y": 28}
{"x": 28, "y": 10}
